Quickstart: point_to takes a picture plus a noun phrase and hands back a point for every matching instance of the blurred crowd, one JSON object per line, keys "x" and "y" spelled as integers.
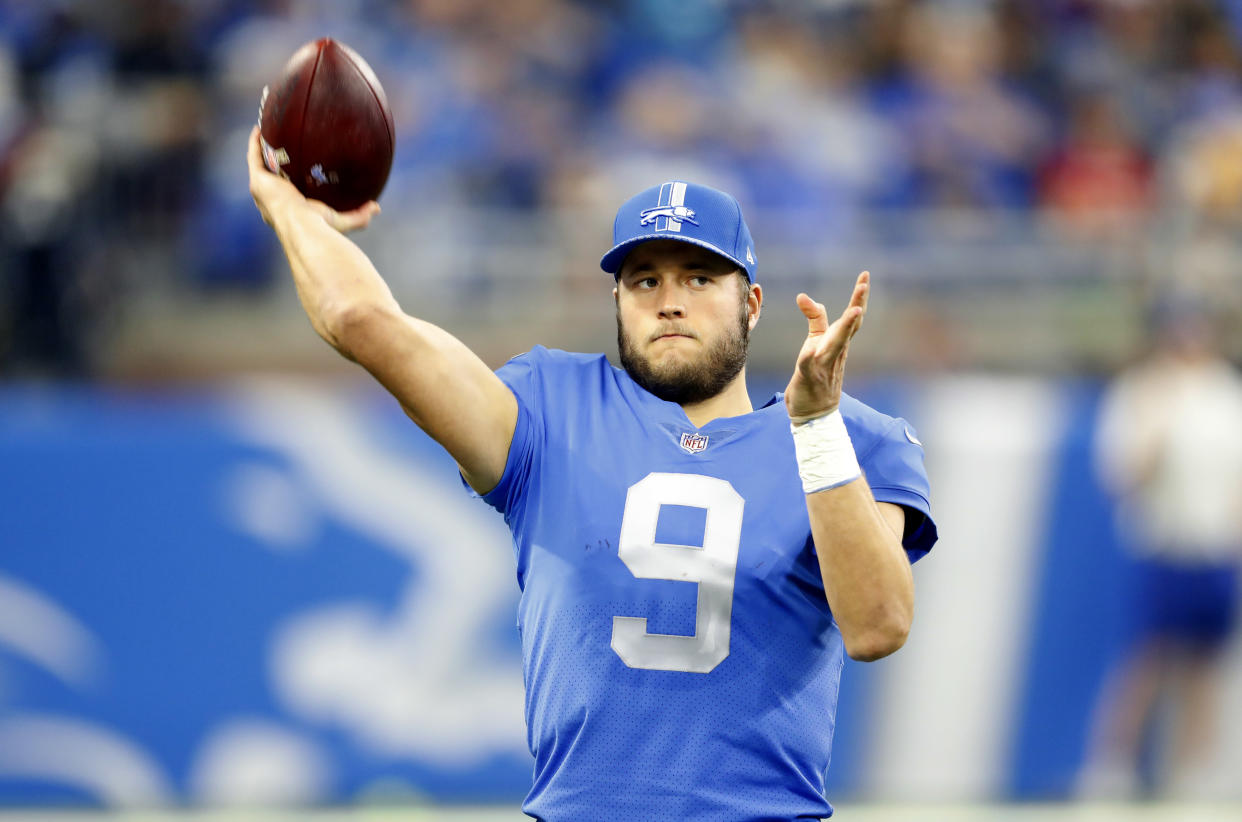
{"x": 122, "y": 123}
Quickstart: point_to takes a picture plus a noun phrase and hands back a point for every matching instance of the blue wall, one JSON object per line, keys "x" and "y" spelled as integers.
{"x": 125, "y": 514}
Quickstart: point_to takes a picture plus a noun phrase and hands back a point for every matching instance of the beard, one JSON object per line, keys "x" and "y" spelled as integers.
{"x": 689, "y": 382}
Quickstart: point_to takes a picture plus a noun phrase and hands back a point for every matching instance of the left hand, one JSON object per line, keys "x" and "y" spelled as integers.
{"x": 815, "y": 388}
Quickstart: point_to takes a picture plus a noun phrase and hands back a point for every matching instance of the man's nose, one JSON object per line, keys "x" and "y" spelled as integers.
{"x": 672, "y": 308}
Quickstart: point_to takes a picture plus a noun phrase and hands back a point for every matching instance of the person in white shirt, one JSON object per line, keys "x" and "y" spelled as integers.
{"x": 1169, "y": 446}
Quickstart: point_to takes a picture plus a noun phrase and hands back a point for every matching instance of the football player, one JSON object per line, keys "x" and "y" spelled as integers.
{"x": 692, "y": 568}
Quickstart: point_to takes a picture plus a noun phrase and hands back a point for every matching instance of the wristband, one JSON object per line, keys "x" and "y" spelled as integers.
{"x": 825, "y": 454}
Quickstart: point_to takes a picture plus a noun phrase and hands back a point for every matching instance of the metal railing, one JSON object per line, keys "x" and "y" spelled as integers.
{"x": 953, "y": 290}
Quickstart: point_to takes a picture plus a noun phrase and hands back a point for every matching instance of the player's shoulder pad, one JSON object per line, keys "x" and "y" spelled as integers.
{"x": 868, "y": 426}
{"x": 549, "y": 372}
{"x": 552, "y": 364}
{"x": 540, "y": 355}
{"x": 887, "y": 447}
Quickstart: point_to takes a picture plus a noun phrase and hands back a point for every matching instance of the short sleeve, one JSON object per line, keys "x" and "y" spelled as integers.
{"x": 522, "y": 376}
{"x": 894, "y": 467}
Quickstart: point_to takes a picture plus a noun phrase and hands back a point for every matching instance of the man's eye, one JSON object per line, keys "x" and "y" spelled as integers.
{"x": 701, "y": 280}
{"x": 648, "y": 282}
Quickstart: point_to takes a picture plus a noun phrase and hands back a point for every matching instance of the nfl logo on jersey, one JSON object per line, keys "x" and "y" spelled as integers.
{"x": 693, "y": 443}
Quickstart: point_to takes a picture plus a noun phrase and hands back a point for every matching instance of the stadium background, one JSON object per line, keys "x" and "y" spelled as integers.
{"x": 232, "y": 573}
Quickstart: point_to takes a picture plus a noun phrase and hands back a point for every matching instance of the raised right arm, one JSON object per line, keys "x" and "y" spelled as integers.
{"x": 442, "y": 385}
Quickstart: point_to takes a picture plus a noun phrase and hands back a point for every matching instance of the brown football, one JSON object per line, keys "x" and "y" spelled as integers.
{"x": 326, "y": 126}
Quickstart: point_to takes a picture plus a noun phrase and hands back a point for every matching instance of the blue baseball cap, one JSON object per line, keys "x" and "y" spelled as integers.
{"x": 682, "y": 211}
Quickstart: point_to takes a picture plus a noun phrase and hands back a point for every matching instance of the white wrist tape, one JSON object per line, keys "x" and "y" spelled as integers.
{"x": 826, "y": 456}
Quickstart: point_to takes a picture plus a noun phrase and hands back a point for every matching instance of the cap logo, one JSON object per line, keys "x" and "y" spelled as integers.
{"x": 678, "y": 214}
{"x": 671, "y": 211}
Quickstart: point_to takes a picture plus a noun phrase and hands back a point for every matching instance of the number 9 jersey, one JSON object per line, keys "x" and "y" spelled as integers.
{"x": 680, "y": 658}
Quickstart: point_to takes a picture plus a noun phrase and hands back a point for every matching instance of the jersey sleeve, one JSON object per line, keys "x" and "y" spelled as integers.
{"x": 893, "y": 464}
{"x": 522, "y": 375}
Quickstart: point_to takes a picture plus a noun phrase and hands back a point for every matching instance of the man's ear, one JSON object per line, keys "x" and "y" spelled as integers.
{"x": 755, "y": 302}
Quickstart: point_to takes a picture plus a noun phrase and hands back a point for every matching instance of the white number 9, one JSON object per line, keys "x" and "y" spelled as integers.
{"x": 713, "y": 565}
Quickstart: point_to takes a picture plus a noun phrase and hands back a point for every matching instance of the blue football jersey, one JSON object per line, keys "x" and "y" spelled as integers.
{"x": 680, "y": 659}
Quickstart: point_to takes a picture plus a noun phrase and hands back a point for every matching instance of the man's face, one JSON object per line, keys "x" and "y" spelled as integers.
{"x": 684, "y": 316}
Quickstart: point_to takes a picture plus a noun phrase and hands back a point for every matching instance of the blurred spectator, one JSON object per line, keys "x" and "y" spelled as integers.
{"x": 1098, "y": 181}
{"x": 1205, "y": 163}
{"x": 666, "y": 123}
{"x": 808, "y": 149}
{"x": 971, "y": 139}
{"x": 46, "y": 171}
{"x": 50, "y": 307}
{"x": 1169, "y": 445}
{"x": 1211, "y": 73}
